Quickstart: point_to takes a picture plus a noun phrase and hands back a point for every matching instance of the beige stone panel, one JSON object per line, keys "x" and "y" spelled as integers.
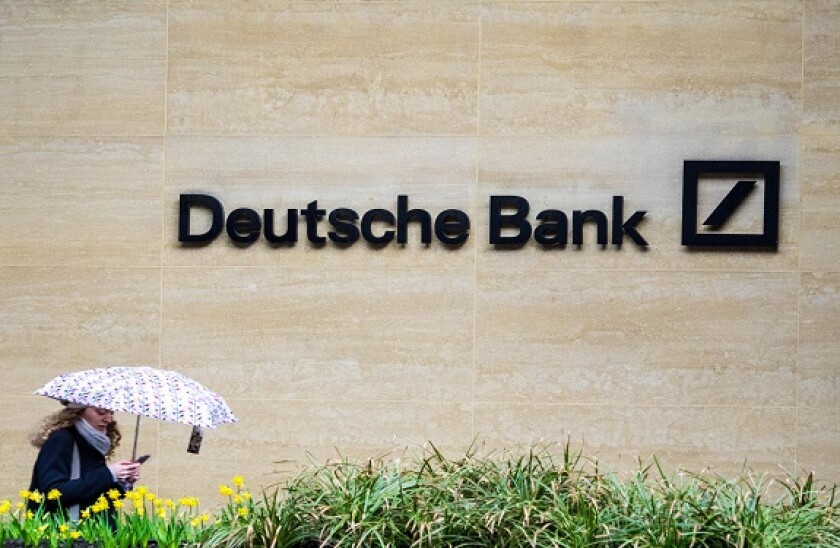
{"x": 323, "y": 68}
{"x": 66, "y": 319}
{"x": 580, "y": 173}
{"x": 820, "y": 202}
{"x": 818, "y": 442}
{"x": 74, "y": 69}
{"x": 275, "y": 439}
{"x": 721, "y": 440}
{"x": 636, "y": 337}
{"x": 336, "y": 335}
{"x": 821, "y": 66}
{"x": 81, "y": 201}
{"x": 818, "y": 371}
{"x": 623, "y": 67}
{"x": 436, "y": 173}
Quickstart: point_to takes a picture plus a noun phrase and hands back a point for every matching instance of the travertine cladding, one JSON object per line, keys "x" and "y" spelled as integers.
{"x": 110, "y": 110}
{"x": 821, "y": 63}
{"x": 600, "y": 68}
{"x": 81, "y": 201}
{"x": 82, "y": 69}
{"x": 314, "y": 68}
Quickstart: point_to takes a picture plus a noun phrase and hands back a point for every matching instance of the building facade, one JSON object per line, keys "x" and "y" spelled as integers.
{"x": 114, "y": 113}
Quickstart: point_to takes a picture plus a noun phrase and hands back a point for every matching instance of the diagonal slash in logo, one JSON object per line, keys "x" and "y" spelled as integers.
{"x": 723, "y": 212}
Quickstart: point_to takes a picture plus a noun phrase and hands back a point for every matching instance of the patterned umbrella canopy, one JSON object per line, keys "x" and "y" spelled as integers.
{"x": 142, "y": 391}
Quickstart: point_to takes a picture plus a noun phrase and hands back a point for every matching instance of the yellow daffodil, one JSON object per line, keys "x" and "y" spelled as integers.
{"x": 63, "y": 528}
{"x": 142, "y": 490}
{"x": 36, "y": 497}
{"x": 5, "y": 506}
{"x": 151, "y": 497}
{"x": 242, "y": 511}
{"x": 75, "y": 535}
{"x": 201, "y": 518}
{"x": 238, "y": 481}
{"x": 114, "y": 494}
{"x": 118, "y": 504}
{"x": 85, "y": 513}
{"x": 54, "y": 494}
{"x": 140, "y": 512}
{"x": 29, "y": 514}
{"x": 24, "y": 494}
{"x": 19, "y": 506}
{"x": 237, "y": 499}
{"x": 134, "y": 497}
{"x": 100, "y": 506}
{"x": 161, "y": 512}
{"x": 246, "y": 495}
{"x": 189, "y": 502}
{"x": 225, "y": 491}
{"x": 169, "y": 503}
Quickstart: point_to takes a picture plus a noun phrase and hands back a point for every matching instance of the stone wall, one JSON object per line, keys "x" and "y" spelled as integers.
{"x": 109, "y": 111}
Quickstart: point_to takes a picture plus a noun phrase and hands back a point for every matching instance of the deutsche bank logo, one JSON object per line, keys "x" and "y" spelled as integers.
{"x": 730, "y": 204}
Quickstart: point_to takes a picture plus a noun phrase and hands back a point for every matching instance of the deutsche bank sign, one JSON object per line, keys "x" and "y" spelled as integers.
{"x": 721, "y": 192}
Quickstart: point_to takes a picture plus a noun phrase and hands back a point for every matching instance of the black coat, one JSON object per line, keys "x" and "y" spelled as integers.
{"x": 53, "y": 466}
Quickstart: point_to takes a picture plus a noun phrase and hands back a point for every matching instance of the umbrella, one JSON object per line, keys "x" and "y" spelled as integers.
{"x": 142, "y": 391}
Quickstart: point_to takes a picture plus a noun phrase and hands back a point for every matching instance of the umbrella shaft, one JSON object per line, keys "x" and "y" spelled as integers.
{"x": 136, "y": 434}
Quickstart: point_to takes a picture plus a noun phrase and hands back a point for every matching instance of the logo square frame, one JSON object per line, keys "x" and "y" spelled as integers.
{"x": 693, "y": 170}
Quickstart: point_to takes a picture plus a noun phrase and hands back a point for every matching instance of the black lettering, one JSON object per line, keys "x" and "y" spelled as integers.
{"x": 186, "y": 203}
{"x": 404, "y": 216}
{"x": 244, "y": 225}
{"x": 288, "y": 237}
{"x": 372, "y": 216}
{"x": 313, "y": 216}
{"x": 619, "y": 228}
{"x": 517, "y": 220}
{"x": 452, "y": 227}
{"x": 554, "y": 229}
{"x": 580, "y": 217}
{"x": 344, "y": 222}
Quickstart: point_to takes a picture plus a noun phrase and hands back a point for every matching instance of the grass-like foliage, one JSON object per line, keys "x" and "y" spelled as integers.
{"x": 539, "y": 499}
{"x": 536, "y": 499}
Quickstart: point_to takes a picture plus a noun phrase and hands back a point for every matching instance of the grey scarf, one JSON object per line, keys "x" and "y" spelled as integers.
{"x": 98, "y": 440}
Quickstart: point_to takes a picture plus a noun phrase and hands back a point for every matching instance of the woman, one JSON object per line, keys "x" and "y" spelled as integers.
{"x": 75, "y": 444}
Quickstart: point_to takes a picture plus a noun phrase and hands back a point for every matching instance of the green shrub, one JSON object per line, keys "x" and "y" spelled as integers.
{"x": 537, "y": 499}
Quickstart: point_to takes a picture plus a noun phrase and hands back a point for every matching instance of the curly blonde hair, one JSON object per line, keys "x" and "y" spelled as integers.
{"x": 64, "y": 419}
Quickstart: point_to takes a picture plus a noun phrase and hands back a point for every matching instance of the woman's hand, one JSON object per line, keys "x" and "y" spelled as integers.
{"x": 135, "y": 477}
{"x": 125, "y": 470}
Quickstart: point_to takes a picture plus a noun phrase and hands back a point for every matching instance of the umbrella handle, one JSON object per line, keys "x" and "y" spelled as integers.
{"x": 136, "y": 434}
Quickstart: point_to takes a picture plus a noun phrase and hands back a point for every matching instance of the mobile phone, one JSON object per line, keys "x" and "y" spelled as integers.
{"x": 142, "y": 458}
